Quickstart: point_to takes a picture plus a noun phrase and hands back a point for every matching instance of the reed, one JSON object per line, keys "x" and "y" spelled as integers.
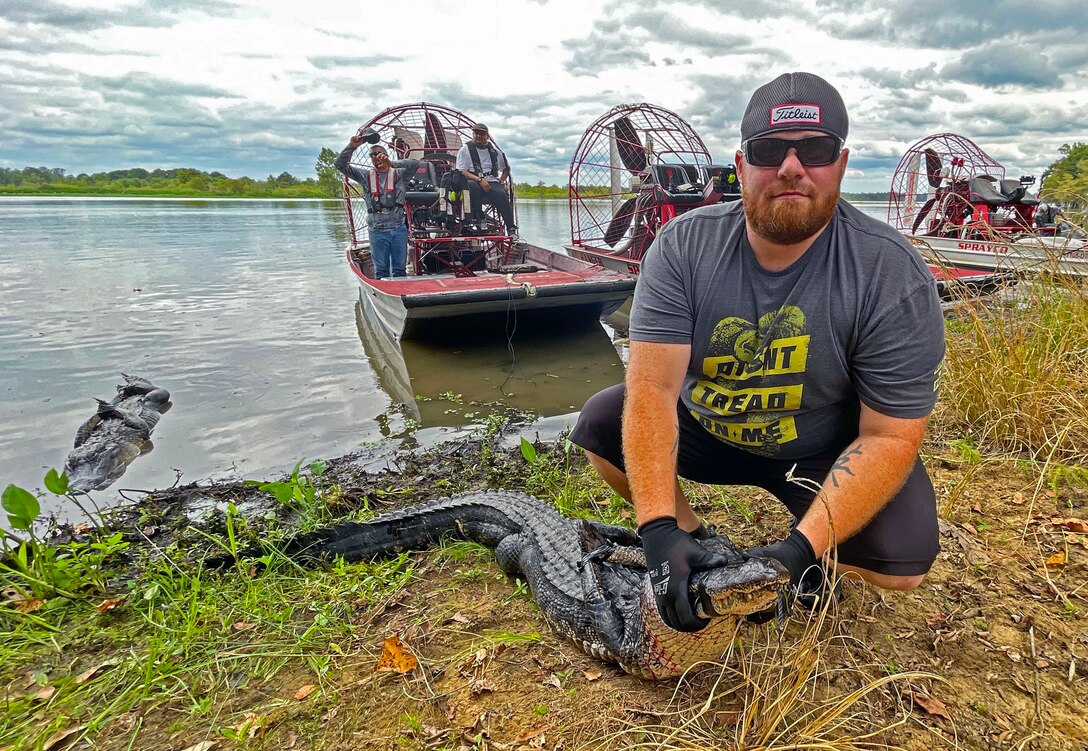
{"x": 810, "y": 686}
{"x": 1014, "y": 374}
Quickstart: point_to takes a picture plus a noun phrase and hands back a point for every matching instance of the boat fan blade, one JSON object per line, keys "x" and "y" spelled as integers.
{"x": 933, "y": 168}
{"x": 434, "y": 137}
{"x": 922, "y": 215}
{"x": 631, "y": 151}
{"x": 621, "y": 220}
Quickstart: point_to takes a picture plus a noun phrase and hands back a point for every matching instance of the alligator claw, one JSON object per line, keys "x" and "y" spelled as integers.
{"x": 600, "y": 553}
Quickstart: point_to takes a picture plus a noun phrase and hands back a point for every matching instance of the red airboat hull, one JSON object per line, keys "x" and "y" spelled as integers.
{"x": 562, "y": 291}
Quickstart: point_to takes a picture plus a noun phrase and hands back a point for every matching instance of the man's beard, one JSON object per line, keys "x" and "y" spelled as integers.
{"x": 788, "y": 222}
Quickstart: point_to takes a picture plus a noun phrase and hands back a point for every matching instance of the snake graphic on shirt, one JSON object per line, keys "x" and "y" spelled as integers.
{"x": 752, "y": 374}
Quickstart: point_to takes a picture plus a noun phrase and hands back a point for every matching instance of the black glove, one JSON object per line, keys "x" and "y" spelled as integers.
{"x": 795, "y": 553}
{"x": 671, "y": 555}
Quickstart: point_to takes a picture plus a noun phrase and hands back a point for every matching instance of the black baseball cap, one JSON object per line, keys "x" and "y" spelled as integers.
{"x": 480, "y": 127}
{"x": 795, "y": 101}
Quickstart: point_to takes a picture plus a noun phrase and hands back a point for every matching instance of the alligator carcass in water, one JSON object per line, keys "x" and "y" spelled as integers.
{"x": 116, "y": 434}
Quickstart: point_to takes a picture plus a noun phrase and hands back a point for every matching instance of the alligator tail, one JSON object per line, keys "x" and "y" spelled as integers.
{"x": 416, "y": 528}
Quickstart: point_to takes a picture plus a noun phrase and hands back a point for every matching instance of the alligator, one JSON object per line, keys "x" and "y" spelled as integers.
{"x": 589, "y": 578}
{"x": 118, "y": 432}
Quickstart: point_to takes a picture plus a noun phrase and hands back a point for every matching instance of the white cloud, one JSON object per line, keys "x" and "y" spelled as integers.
{"x": 259, "y": 87}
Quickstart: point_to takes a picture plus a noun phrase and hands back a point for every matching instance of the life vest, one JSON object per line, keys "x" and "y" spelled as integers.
{"x": 378, "y": 200}
{"x": 492, "y": 152}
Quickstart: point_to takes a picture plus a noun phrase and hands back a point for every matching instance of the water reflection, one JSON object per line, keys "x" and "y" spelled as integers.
{"x": 454, "y": 381}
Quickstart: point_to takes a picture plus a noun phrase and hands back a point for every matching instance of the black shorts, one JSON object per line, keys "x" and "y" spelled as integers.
{"x": 901, "y": 540}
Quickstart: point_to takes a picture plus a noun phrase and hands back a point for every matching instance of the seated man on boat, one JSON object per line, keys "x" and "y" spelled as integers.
{"x": 486, "y": 169}
{"x": 383, "y": 188}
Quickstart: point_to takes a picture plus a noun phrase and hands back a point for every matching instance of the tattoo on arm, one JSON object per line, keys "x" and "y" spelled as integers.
{"x": 842, "y": 464}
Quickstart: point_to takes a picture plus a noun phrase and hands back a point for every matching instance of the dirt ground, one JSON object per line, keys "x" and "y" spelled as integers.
{"x": 1000, "y": 622}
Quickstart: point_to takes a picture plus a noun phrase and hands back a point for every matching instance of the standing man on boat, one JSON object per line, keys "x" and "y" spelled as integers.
{"x": 384, "y": 189}
{"x": 485, "y": 167}
{"x": 788, "y": 335}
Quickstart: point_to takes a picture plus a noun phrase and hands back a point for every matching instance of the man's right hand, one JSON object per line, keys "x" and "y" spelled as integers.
{"x": 355, "y": 140}
{"x": 671, "y": 555}
{"x": 485, "y": 184}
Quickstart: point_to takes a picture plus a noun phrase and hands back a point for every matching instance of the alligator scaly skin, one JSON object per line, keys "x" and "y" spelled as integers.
{"x": 603, "y": 602}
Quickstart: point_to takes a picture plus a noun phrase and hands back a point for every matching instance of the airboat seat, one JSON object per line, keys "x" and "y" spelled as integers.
{"x": 983, "y": 191}
{"x": 422, "y": 188}
{"x": 681, "y": 183}
{"x": 724, "y": 179}
{"x": 1017, "y": 192}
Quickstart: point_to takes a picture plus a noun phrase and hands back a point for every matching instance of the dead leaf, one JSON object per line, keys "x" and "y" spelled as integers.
{"x": 241, "y": 626}
{"x": 92, "y": 673}
{"x": 202, "y": 746}
{"x": 1073, "y": 525}
{"x": 977, "y": 508}
{"x": 395, "y": 657}
{"x": 251, "y": 725}
{"x": 483, "y": 685}
{"x": 105, "y": 605}
{"x": 61, "y": 738}
{"x": 553, "y": 681}
{"x": 931, "y": 705}
{"x": 528, "y": 735}
{"x": 726, "y": 718}
{"x": 29, "y": 605}
{"x": 1056, "y": 560}
{"x": 591, "y": 675}
{"x": 305, "y": 691}
{"x": 45, "y": 693}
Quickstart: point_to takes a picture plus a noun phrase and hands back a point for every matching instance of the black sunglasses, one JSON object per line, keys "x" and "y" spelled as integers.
{"x": 815, "y": 151}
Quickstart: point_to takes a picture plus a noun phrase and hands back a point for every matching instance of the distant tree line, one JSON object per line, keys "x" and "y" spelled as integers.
{"x": 159, "y": 182}
{"x": 1066, "y": 181}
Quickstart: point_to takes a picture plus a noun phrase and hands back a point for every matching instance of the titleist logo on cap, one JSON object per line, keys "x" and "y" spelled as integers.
{"x": 796, "y": 113}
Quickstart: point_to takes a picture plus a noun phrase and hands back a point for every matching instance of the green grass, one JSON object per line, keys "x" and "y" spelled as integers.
{"x": 184, "y": 637}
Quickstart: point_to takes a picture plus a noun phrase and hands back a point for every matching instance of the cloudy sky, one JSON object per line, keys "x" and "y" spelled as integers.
{"x": 253, "y": 88}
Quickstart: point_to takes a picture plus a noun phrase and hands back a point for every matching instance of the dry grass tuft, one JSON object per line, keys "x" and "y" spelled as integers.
{"x": 1014, "y": 378}
{"x": 809, "y": 686}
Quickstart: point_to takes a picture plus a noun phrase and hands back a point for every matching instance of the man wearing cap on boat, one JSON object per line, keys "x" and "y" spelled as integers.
{"x": 384, "y": 188}
{"x": 786, "y": 337}
{"x": 485, "y": 167}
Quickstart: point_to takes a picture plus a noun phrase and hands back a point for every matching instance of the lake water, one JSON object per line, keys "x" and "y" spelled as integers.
{"x": 247, "y": 313}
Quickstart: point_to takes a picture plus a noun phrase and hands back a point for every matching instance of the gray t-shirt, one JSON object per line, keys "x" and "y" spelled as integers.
{"x": 780, "y": 358}
{"x": 387, "y": 212}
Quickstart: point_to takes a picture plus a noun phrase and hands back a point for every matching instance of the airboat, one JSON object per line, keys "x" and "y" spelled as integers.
{"x": 635, "y": 168}
{"x": 954, "y": 203}
{"x": 460, "y": 274}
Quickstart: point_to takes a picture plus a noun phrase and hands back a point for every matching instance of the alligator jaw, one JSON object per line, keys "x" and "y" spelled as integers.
{"x": 738, "y": 589}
